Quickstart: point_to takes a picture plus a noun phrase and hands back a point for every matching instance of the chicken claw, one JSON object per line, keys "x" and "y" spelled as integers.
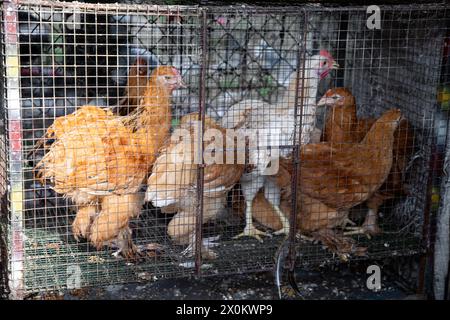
{"x": 82, "y": 222}
{"x": 369, "y": 227}
{"x": 300, "y": 236}
{"x": 368, "y": 231}
{"x": 134, "y": 253}
{"x": 347, "y": 221}
{"x": 207, "y": 243}
{"x": 251, "y": 231}
{"x": 131, "y": 253}
{"x": 336, "y": 243}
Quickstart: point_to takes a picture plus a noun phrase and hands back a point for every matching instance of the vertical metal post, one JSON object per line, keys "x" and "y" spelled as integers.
{"x": 441, "y": 254}
{"x": 301, "y": 57}
{"x": 14, "y": 131}
{"x": 442, "y": 243}
{"x": 201, "y": 166}
{"x": 426, "y": 241}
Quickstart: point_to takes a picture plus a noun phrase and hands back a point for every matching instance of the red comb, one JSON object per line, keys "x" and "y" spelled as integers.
{"x": 326, "y": 54}
{"x": 175, "y": 71}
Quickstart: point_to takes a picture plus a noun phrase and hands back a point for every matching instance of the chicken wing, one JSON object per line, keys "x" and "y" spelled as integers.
{"x": 173, "y": 182}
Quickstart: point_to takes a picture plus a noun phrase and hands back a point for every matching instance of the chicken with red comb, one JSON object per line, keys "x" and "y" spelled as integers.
{"x": 279, "y": 122}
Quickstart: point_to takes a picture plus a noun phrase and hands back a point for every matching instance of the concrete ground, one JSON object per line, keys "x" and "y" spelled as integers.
{"x": 335, "y": 283}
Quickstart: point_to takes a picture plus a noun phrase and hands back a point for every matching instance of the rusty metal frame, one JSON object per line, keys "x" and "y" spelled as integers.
{"x": 14, "y": 132}
{"x": 14, "y": 129}
{"x": 201, "y": 118}
{"x": 299, "y": 93}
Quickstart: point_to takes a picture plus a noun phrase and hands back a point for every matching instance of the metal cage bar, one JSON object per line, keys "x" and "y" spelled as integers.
{"x": 441, "y": 278}
{"x": 14, "y": 129}
{"x": 298, "y": 105}
{"x": 201, "y": 167}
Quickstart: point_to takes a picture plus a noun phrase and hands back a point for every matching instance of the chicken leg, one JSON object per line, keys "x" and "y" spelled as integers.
{"x": 207, "y": 244}
{"x": 284, "y": 221}
{"x": 182, "y": 230}
{"x": 116, "y": 212}
{"x": 83, "y": 220}
{"x": 250, "y": 230}
{"x": 370, "y": 226}
{"x": 251, "y": 183}
{"x": 272, "y": 194}
{"x": 125, "y": 245}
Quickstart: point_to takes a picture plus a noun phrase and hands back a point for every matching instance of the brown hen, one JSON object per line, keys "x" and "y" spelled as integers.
{"x": 343, "y": 127}
{"x": 334, "y": 179}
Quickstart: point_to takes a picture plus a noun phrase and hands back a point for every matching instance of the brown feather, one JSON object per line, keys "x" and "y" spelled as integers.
{"x": 101, "y": 159}
{"x": 173, "y": 184}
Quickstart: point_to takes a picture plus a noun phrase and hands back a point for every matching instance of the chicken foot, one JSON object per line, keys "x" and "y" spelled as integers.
{"x": 370, "y": 226}
{"x": 125, "y": 245}
{"x": 207, "y": 244}
{"x": 182, "y": 230}
{"x": 250, "y": 230}
{"x": 342, "y": 246}
{"x": 131, "y": 252}
{"x": 284, "y": 221}
{"x": 83, "y": 219}
{"x": 116, "y": 212}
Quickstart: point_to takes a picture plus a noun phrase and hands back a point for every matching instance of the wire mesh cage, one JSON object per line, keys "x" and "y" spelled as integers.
{"x": 102, "y": 102}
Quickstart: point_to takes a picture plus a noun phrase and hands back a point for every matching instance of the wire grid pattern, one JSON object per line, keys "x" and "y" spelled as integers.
{"x": 398, "y": 60}
{"x": 75, "y": 55}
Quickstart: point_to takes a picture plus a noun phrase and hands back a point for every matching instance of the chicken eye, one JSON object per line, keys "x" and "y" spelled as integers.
{"x": 167, "y": 77}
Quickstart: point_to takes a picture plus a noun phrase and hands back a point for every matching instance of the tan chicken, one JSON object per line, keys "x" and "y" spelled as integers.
{"x": 343, "y": 127}
{"x": 173, "y": 182}
{"x": 332, "y": 181}
{"x": 136, "y": 84}
{"x": 100, "y": 161}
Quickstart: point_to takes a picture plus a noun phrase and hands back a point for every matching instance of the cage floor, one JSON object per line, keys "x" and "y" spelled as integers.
{"x": 50, "y": 262}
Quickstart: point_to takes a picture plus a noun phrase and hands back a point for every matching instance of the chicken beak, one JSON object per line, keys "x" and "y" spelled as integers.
{"x": 181, "y": 83}
{"x": 325, "y": 101}
{"x": 335, "y": 65}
